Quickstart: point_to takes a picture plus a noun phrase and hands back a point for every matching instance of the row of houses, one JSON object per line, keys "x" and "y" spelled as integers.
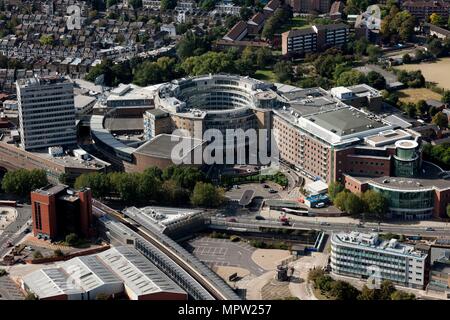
{"x": 254, "y": 25}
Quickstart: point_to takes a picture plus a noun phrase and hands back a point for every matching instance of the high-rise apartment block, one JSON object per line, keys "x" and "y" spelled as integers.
{"x": 46, "y": 112}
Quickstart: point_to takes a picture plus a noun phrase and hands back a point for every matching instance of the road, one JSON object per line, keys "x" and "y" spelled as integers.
{"x": 14, "y": 232}
{"x": 336, "y": 227}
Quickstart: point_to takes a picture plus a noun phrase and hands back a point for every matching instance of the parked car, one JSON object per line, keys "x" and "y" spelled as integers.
{"x": 266, "y": 186}
{"x": 260, "y": 218}
{"x": 285, "y": 223}
{"x": 27, "y": 230}
{"x": 320, "y": 205}
{"x": 323, "y": 223}
{"x": 231, "y": 220}
{"x": 429, "y": 229}
{"x": 273, "y": 191}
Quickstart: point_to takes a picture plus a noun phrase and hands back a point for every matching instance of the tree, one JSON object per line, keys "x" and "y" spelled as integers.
{"x": 441, "y": 120}
{"x": 31, "y": 296}
{"x": 350, "y": 78}
{"x": 339, "y": 200}
{"x": 230, "y": 21}
{"x": 46, "y": 39}
{"x": 136, "y": 4}
{"x": 334, "y": 188}
{"x": 387, "y": 288}
{"x": 401, "y": 295}
{"x": 263, "y": 57}
{"x": 210, "y": 62}
{"x": 110, "y": 3}
{"x": 168, "y": 4}
{"x": 437, "y": 20}
{"x": 283, "y": 71}
{"x": 422, "y": 107}
{"x": 435, "y": 47}
{"x": 343, "y": 291}
{"x": 353, "y": 204}
{"x": 58, "y": 253}
{"x": 21, "y": 182}
{"x": 207, "y": 5}
{"x": 3, "y": 272}
{"x": 72, "y": 239}
{"x": 367, "y": 294}
{"x": 375, "y": 203}
{"x": 406, "y": 58}
{"x": 374, "y": 52}
{"x": 446, "y": 97}
{"x": 99, "y": 184}
{"x": 245, "y": 13}
{"x": 206, "y": 195}
{"x": 37, "y": 255}
{"x": 376, "y": 80}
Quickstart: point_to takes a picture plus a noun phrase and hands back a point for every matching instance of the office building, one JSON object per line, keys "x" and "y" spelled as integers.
{"x": 58, "y": 211}
{"x": 364, "y": 255}
{"x": 46, "y": 112}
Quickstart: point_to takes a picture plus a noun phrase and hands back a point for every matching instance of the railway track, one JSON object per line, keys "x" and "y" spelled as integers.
{"x": 163, "y": 247}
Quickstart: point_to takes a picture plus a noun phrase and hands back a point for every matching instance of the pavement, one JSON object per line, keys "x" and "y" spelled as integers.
{"x": 223, "y": 252}
{"x": 14, "y": 231}
{"x": 260, "y": 191}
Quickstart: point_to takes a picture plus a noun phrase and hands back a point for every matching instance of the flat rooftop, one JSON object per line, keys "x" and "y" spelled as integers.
{"x": 124, "y": 124}
{"x": 387, "y": 137}
{"x": 431, "y": 177}
{"x": 345, "y": 121}
{"x": 162, "y": 146}
{"x": 371, "y": 241}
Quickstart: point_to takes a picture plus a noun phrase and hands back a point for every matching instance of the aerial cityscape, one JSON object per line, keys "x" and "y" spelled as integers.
{"x": 227, "y": 150}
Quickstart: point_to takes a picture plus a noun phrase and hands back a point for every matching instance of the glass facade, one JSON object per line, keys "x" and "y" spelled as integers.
{"x": 414, "y": 204}
{"x": 406, "y": 168}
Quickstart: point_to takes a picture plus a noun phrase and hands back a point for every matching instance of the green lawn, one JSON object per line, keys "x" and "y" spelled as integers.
{"x": 295, "y": 23}
{"x": 265, "y": 75}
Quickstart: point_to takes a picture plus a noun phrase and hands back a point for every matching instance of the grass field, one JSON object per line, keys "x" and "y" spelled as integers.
{"x": 416, "y": 94}
{"x": 436, "y": 72}
{"x": 265, "y": 75}
{"x": 295, "y": 23}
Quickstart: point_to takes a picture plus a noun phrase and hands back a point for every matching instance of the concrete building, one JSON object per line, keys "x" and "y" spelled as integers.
{"x": 310, "y": 6}
{"x": 58, "y": 211}
{"x": 364, "y": 255}
{"x": 115, "y": 272}
{"x": 440, "y": 276}
{"x": 46, "y": 112}
{"x": 315, "y": 38}
{"x": 422, "y": 9}
{"x": 359, "y": 96}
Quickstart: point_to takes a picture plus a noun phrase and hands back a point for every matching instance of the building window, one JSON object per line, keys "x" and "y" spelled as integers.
{"x": 37, "y": 212}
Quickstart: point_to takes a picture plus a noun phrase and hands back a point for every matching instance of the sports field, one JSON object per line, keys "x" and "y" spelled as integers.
{"x": 437, "y": 71}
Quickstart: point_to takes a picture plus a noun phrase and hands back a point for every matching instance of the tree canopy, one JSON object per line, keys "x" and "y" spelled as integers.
{"x": 21, "y": 182}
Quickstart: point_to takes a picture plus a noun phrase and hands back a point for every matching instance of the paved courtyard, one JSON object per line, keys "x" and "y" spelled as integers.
{"x": 223, "y": 252}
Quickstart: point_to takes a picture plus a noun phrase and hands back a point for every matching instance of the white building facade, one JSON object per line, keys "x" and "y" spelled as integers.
{"x": 365, "y": 255}
{"x": 46, "y": 112}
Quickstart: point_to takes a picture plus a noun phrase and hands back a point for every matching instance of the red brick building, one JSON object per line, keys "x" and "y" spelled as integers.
{"x": 58, "y": 211}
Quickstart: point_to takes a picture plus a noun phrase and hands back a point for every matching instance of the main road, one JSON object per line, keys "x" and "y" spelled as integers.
{"x": 14, "y": 232}
{"x": 242, "y": 222}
